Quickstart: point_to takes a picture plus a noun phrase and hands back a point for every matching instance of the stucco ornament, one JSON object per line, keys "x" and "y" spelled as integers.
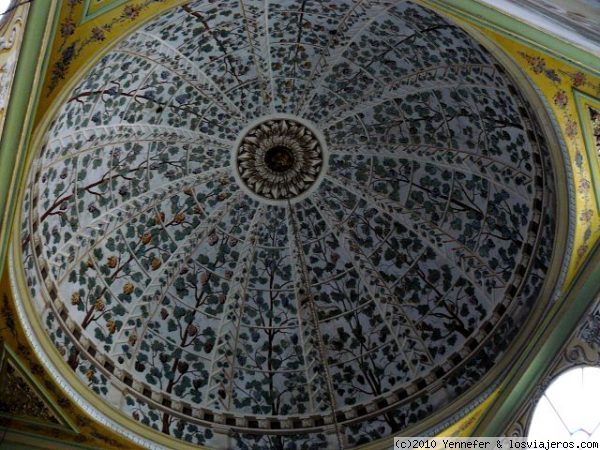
{"x": 279, "y": 159}
{"x": 11, "y": 29}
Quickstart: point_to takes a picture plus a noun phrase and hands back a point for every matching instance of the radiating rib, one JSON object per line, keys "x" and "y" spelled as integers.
{"x": 378, "y": 289}
{"x": 252, "y": 36}
{"x": 267, "y": 51}
{"x": 321, "y": 391}
{"x": 317, "y": 388}
{"x": 446, "y": 246}
{"x": 347, "y": 32}
{"x": 149, "y": 303}
{"x": 87, "y": 139}
{"x": 221, "y": 370}
{"x": 154, "y": 49}
{"x": 369, "y": 102}
{"x": 450, "y": 158}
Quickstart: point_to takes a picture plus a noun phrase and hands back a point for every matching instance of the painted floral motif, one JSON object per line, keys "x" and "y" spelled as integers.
{"x": 563, "y": 100}
{"x": 538, "y": 66}
{"x": 98, "y": 33}
{"x": 234, "y": 312}
{"x": 132, "y": 11}
{"x": 572, "y": 128}
{"x": 67, "y": 27}
{"x": 560, "y": 99}
{"x": 580, "y": 79}
{"x": 73, "y": 49}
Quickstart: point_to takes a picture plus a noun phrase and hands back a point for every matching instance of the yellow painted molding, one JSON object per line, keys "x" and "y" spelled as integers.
{"x": 557, "y": 82}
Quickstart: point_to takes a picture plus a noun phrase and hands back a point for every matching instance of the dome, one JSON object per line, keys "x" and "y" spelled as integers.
{"x": 295, "y": 224}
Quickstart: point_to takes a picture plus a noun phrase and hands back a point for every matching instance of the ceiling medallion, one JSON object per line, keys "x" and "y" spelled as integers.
{"x": 279, "y": 159}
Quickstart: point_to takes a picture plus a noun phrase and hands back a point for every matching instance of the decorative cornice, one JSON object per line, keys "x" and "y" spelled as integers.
{"x": 494, "y": 19}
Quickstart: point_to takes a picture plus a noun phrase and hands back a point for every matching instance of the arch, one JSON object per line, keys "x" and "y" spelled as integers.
{"x": 568, "y": 408}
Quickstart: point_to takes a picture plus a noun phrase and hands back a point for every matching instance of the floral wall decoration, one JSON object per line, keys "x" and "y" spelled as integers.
{"x": 559, "y": 83}
{"x": 71, "y": 45}
{"x": 87, "y": 28}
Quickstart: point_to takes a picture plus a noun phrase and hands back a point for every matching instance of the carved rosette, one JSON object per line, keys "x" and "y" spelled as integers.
{"x": 279, "y": 159}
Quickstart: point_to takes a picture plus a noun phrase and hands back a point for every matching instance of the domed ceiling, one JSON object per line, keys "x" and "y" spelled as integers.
{"x": 291, "y": 224}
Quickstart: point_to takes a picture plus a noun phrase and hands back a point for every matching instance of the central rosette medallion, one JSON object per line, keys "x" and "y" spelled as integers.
{"x": 279, "y": 159}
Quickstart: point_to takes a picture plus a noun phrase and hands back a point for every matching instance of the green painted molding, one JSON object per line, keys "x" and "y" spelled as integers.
{"x": 554, "y": 332}
{"x": 502, "y": 23}
{"x": 24, "y": 98}
{"x": 87, "y": 16}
